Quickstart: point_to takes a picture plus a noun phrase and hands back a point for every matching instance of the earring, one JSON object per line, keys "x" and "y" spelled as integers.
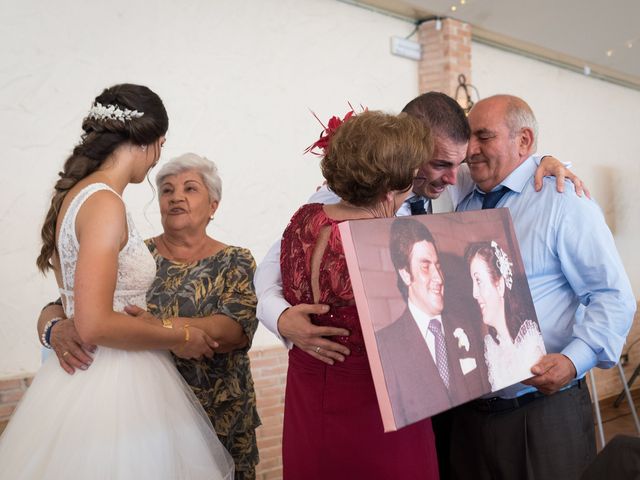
{"x": 143, "y": 147}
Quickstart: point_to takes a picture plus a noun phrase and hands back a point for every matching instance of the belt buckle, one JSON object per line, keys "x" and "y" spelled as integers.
{"x": 485, "y": 404}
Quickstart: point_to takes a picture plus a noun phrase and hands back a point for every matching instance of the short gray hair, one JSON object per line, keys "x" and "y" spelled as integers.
{"x": 190, "y": 161}
{"x": 518, "y": 116}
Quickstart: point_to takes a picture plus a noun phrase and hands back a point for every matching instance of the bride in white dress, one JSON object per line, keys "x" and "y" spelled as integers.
{"x": 131, "y": 415}
{"x": 514, "y": 343}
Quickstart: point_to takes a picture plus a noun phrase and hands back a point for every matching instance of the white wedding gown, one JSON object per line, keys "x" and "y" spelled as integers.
{"x": 130, "y": 416}
{"x": 510, "y": 362}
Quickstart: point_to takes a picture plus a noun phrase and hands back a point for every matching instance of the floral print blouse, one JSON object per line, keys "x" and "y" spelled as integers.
{"x": 219, "y": 284}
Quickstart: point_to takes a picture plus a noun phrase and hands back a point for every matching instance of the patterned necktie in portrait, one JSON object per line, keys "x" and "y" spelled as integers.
{"x": 441, "y": 350}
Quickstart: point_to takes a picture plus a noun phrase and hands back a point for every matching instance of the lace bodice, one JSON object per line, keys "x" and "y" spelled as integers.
{"x": 510, "y": 362}
{"x": 298, "y": 243}
{"x": 136, "y": 267}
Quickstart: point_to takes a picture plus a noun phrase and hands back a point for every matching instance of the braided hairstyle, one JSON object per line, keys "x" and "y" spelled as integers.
{"x": 102, "y": 134}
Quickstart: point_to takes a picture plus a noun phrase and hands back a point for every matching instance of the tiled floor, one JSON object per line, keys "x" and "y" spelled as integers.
{"x": 618, "y": 420}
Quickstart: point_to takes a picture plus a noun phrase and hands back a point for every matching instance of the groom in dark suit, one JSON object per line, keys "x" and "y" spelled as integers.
{"x": 434, "y": 360}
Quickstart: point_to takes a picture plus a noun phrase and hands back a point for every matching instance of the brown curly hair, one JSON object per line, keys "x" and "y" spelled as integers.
{"x": 374, "y": 153}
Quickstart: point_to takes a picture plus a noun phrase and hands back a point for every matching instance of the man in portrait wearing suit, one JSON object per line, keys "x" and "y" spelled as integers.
{"x": 431, "y": 361}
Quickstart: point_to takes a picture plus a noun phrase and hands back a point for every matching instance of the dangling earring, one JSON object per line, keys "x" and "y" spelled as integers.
{"x": 143, "y": 148}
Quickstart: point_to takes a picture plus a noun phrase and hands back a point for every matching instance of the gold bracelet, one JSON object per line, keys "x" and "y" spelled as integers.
{"x": 186, "y": 332}
{"x": 167, "y": 323}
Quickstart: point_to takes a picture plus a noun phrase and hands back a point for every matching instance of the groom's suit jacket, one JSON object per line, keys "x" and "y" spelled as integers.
{"x": 415, "y": 388}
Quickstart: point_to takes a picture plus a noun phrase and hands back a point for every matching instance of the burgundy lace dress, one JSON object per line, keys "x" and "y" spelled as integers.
{"x": 332, "y": 424}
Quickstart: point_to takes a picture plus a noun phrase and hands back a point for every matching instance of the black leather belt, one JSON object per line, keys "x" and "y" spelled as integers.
{"x": 497, "y": 404}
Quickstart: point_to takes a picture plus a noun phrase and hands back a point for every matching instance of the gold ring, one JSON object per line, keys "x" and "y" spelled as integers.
{"x": 65, "y": 353}
{"x": 317, "y": 349}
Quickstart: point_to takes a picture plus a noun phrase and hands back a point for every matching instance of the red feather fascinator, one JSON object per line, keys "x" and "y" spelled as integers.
{"x": 329, "y": 130}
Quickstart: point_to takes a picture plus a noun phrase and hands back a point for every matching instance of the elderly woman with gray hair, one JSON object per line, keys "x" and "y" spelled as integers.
{"x": 205, "y": 282}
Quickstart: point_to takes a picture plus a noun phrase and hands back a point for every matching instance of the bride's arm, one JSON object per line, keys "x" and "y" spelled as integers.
{"x": 102, "y": 232}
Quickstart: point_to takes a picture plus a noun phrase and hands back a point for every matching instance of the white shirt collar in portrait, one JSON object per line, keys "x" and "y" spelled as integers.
{"x": 423, "y": 320}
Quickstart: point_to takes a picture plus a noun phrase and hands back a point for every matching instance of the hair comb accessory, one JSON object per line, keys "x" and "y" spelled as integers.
{"x": 329, "y": 130}
{"x": 503, "y": 264}
{"x": 112, "y": 112}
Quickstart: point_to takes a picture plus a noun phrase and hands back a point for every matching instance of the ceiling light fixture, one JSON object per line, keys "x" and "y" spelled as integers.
{"x": 453, "y": 8}
{"x": 609, "y": 53}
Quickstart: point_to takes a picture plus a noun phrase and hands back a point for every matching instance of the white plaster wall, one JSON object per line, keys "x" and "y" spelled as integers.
{"x": 586, "y": 121}
{"x": 238, "y": 78}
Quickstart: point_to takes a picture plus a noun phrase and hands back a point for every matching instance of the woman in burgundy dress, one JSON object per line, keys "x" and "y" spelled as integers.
{"x": 332, "y": 423}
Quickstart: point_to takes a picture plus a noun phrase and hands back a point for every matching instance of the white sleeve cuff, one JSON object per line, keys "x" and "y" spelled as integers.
{"x": 269, "y": 313}
{"x": 581, "y": 355}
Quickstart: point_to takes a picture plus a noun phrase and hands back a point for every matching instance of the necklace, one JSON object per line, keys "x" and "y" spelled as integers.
{"x": 196, "y": 255}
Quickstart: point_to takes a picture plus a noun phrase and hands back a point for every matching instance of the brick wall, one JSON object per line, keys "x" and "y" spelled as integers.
{"x": 446, "y": 53}
{"x": 269, "y": 369}
{"x": 11, "y": 392}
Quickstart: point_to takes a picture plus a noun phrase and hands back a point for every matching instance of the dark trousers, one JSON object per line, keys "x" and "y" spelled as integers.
{"x": 551, "y": 437}
{"x": 442, "y": 424}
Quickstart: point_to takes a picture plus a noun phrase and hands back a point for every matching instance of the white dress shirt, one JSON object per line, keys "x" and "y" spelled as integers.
{"x": 422, "y": 321}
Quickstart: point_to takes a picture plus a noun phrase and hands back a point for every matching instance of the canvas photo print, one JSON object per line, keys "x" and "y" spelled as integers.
{"x": 445, "y": 309}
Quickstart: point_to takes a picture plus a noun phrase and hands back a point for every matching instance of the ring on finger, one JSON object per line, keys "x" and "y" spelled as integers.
{"x": 65, "y": 353}
{"x": 317, "y": 349}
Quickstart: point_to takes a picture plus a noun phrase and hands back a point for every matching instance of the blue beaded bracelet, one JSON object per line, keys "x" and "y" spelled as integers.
{"x": 45, "y": 338}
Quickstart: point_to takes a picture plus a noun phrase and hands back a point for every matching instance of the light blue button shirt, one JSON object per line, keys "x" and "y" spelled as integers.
{"x": 582, "y": 295}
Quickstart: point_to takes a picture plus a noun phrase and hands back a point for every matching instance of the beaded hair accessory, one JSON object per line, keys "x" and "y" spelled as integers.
{"x": 329, "y": 131}
{"x": 503, "y": 264}
{"x": 112, "y": 112}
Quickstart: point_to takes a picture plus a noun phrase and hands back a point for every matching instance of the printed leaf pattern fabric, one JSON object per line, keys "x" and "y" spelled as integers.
{"x": 220, "y": 284}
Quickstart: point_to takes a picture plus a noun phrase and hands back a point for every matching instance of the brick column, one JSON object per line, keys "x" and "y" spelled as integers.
{"x": 446, "y": 53}
{"x": 269, "y": 370}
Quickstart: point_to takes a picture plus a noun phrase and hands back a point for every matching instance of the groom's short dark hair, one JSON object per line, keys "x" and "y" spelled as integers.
{"x": 442, "y": 114}
{"x": 405, "y": 233}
